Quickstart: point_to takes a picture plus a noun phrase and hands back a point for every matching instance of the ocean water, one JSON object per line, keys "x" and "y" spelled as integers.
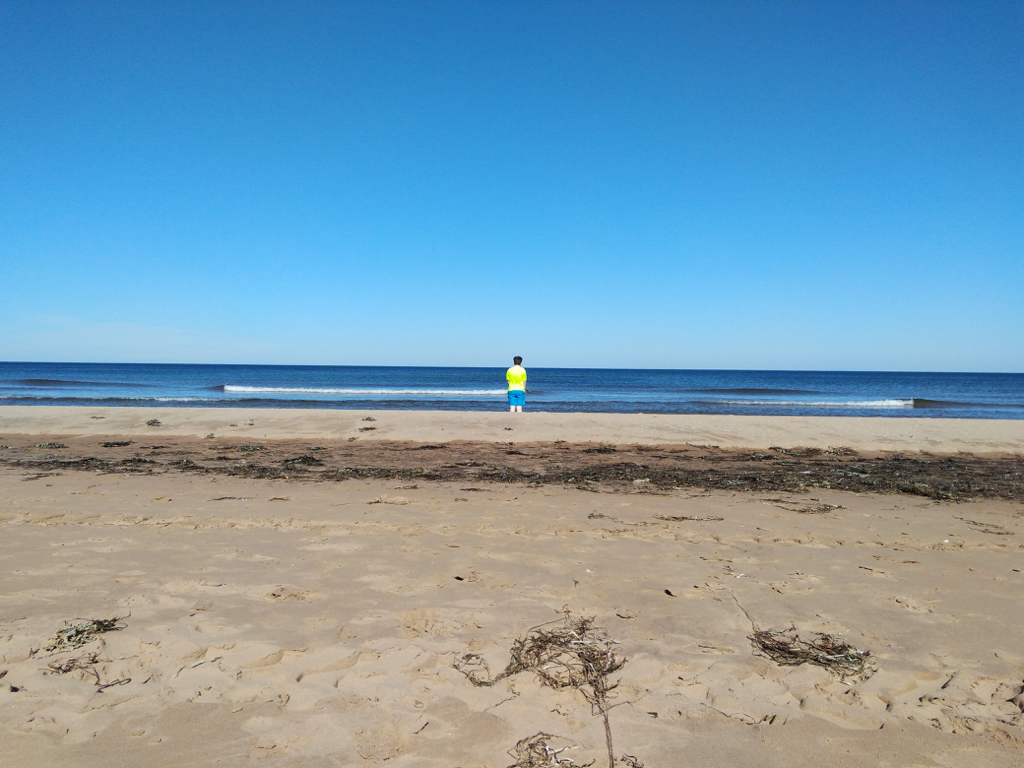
{"x": 788, "y": 393}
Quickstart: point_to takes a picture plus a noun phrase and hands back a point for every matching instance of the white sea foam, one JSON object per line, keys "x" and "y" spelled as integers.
{"x": 177, "y": 399}
{"x": 331, "y": 391}
{"x": 825, "y": 403}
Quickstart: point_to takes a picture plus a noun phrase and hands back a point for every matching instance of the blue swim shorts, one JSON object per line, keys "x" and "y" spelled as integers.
{"x": 516, "y": 397}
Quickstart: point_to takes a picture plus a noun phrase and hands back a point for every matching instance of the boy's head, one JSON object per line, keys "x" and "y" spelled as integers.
{"x": 517, "y": 360}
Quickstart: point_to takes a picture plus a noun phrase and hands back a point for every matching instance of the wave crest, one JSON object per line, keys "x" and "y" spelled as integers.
{"x": 238, "y": 389}
{"x": 821, "y": 403}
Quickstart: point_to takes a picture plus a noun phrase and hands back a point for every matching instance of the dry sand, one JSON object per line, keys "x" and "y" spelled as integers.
{"x": 939, "y": 435}
{"x": 288, "y": 623}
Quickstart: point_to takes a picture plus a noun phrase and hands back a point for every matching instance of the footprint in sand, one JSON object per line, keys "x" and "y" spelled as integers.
{"x": 281, "y": 592}
{"x": 909, "y": 604}
{"x": 963, "y": 702}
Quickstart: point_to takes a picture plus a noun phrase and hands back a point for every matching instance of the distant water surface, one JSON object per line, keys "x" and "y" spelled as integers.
{"x": 788, "y": 393}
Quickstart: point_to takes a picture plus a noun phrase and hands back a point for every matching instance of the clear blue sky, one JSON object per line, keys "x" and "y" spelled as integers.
{"x": 810, "y": 185}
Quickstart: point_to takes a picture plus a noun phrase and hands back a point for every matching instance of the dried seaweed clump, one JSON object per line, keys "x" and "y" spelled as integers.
{"x": 787, "y": 648}
{"x": 84, "y": 662}
{"x": 80, "y": 634}
{"x": 574, "y": 654}
{"x": 536, "y": 752}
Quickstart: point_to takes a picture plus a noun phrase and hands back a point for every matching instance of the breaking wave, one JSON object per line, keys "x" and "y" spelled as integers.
{"x": 237, "y": 389}
{"x": 820, "y": 403}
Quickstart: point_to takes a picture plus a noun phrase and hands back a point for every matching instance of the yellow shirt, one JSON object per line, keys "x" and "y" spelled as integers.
{"x": 516, "y": 377}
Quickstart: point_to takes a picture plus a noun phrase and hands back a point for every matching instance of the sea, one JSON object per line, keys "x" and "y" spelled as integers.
{"x": 560, "y": 390}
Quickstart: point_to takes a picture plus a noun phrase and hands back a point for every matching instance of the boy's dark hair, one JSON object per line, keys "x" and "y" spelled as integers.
{"x": 517, "y": 360}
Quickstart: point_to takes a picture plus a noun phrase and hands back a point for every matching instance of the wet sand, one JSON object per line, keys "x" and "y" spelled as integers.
{"x": 287, "y": 606}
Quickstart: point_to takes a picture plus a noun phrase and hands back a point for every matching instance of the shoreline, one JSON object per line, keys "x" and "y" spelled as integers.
{"x": 981, "y": 436}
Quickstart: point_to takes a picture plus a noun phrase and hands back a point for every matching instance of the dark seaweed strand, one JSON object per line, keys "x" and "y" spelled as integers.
{"x": 955, "y": 477}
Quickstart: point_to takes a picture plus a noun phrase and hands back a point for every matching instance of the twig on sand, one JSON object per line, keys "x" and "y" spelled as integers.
{"x": 122, "y": 681}
{"x": 689, "y": 518}
{"x": 753, "y": 624}
{"x": 197, "y": 664}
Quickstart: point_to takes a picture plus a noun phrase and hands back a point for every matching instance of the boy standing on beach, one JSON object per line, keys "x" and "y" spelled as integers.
{"x": 516, "y": 377}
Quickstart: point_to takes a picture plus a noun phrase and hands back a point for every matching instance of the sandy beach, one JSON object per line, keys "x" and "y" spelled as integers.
{"x": 939, "y": 435}
{"x": 310, "y": 588}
